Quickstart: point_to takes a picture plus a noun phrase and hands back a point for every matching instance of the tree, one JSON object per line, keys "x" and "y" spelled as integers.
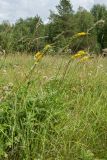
{"x": 64, "y": 8}
{"x": 84, "y": 21}
{"x": 5, "y": 35}
{"x": 61, "y": 22}
{"x": 100, "y": 12}
{"x": 104, "y": 34}
{"x": 26, "y": 33}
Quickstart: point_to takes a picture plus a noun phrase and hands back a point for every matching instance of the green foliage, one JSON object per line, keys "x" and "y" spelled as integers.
{"x": 62, "y": 22}
{"x": 64, "y": 8}
{"x": 26, "y": 32}
{"x": 5, "y": 35}
{"x": 100, "y": 12}
{"x": 31, "y": 34}
{"x": 85, "y": 20}
{"x": 85, "y": 17}
{"x": 23, "y": 36}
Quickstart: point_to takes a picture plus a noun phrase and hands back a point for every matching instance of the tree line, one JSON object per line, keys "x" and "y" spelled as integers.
{"x": 32, "y": 34}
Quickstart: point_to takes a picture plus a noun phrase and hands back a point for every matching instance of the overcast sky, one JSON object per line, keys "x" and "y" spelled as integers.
{"x": 13, "y": 9}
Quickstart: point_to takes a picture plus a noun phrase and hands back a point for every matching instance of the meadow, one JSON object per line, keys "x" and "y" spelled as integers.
{"x": 58, "y": 113}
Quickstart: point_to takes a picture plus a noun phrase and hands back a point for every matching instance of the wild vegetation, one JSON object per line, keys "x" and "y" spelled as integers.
{"x": 31, "y": 34}
{"x": 54, "y": 115}
{"x": 53, "y": 105}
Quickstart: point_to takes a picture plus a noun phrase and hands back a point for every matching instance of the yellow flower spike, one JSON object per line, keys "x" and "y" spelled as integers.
{"x": 85, "y": 58}
{"x": 79, "y": 54}
{"x": 81, "y": 34}
{"x": 38, "y": 56}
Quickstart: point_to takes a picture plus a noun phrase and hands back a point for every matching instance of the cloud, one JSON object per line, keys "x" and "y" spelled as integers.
{"x": 14, "y": 9}
{"x": 84, "y": 3}
{"x": 101, "y": 1}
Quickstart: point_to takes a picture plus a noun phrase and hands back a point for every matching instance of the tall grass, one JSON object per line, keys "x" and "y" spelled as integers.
{"x": 58, "y": 117}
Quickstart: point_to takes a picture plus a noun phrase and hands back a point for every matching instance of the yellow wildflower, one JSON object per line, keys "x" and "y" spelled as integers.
{"x": 38, "y": 56}
{"x": 81, "y": 34}
{"x": 84, "y": 59}
{"x": 79, "y": 54}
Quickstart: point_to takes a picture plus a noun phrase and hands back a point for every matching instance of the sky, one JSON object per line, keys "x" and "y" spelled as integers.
{"x": 14, "y": 9}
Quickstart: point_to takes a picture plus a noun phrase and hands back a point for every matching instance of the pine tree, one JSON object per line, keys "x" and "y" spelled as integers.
{"x": 62, "y": 21}
{"x": 64, "y": 8}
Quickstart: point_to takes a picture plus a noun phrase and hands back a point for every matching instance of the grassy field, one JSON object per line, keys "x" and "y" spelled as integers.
{"x": 58, "y": 113}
